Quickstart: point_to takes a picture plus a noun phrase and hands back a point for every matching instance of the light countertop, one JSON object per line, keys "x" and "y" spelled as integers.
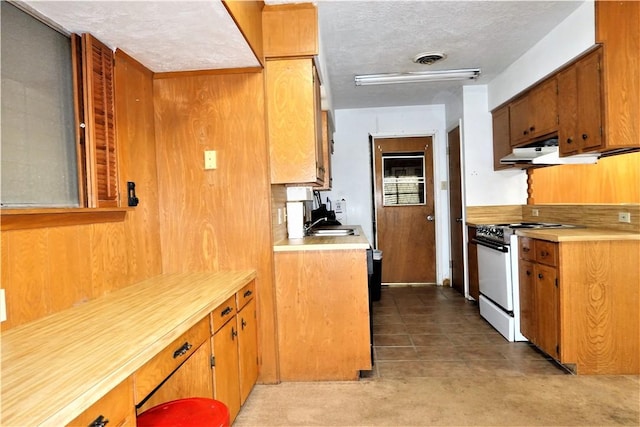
{"x": 313, "y": 243}
{"x": 587, "y": 234}
{"x": 56, "y": 367}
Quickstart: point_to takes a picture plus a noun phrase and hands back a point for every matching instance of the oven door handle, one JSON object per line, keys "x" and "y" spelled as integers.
{"x": 490, "y": 245}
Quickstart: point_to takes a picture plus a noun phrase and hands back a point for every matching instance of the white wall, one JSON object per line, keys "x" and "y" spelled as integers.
{"x": 352, "y": 171}
{"x": 483, "y": 185}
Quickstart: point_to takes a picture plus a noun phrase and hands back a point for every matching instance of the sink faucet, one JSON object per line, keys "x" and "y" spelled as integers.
{"x": 310, "y": 226}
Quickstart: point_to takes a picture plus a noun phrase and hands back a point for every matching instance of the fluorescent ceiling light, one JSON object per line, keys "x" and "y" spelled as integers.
{"x": 417, "y": 77}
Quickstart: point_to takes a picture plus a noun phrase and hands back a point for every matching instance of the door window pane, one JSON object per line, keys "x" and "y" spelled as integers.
{"x": 38, "y": 140}
{"x": 403, "y": 179}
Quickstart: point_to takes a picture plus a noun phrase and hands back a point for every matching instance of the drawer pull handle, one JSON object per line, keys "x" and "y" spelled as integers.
{"x": 101, "y": 421}
{"x": 226, "y": 311}
{"x": 544, "y": 253}
{"x": 248, "y": 293}
{"x": 525, "y": 249}
{"x": 182, "y": 350}
{"x": 243, "y": 323}
{"x": 234, "y": 333}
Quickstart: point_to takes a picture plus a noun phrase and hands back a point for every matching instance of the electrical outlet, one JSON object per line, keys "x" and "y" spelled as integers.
{"x": 534, "y": 212}
{"x": 210, "y": 160}
{"x": 624, "y": 216}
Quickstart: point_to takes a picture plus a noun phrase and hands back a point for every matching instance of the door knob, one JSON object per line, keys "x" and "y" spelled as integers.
{"x": 430, "y": 218}
{"x": 458, "y": 219}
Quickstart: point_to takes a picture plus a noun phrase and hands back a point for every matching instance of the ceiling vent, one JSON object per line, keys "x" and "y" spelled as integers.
{"x": 428, "y": 58}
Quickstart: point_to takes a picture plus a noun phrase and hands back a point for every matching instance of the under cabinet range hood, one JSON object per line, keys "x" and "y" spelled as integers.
{"x": 546, "y": 154}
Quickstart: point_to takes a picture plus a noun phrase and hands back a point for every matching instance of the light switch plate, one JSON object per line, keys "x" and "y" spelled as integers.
{"x": 210, "y": 160}
{"x": 3, "y": 307}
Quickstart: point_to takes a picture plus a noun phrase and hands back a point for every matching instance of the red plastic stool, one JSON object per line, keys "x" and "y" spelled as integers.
{"x": 193, "y": 411}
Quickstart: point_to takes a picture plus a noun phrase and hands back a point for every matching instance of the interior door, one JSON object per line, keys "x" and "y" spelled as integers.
{"x": 455, "y": 212}
{"x": 404, "y": 209}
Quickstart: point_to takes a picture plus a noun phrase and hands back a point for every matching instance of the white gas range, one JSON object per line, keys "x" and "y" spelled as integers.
{"x": 498, "y": 275}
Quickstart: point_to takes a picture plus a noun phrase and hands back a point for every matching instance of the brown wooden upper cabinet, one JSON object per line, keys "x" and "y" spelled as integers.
{"x": 535, "y": 114}
{"x": 501, "y": 137}
{"x": 580, "y": 106}
{"x": 290, "y": 34}
{"x": 593, "y": 103}
{"x": 294, "y": 121}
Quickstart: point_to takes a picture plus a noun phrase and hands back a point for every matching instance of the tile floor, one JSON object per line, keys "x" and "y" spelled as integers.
{"x": 432, "y": 331}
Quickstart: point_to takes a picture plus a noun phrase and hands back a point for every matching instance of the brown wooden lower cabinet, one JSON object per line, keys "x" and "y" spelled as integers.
{"x": 472, "y": 262}
{"x": 220, "y": 362}
{"x": 579, "y": 303}
{"x": 323, "y": 314}
{"x": 235, "y": 351}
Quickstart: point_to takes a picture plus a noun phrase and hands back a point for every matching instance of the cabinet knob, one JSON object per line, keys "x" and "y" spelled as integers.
{"x": 585, "y": 136}
{"x": 569, "y": 140}
{"x": 539, "y": 275}
{"x": 528, "y": 273}
{"x": 532, "y": 128}
{"x": 525, "y": 250}
{"x": 544, "y": 254}
{"x": 526, "y": 132}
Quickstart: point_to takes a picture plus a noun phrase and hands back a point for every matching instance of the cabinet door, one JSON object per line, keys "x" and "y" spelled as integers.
{"x": 292, "y": 112}
{"x": 225, "y": 372}
{"x": 590, "y": 106}
{"x": 547, "y": 309}
{"x": 247, "y": 349}
{"x": 472, "y": 261}
{"x": 527, "y": 300}
{"x": 568, "y": 112}
{"x": 192, "y": 379}
{"x": 519, "y": 120}
{"x": 318, "y": 124}
{"x": 501, "y": 137}
{"x": 543, "y": 109}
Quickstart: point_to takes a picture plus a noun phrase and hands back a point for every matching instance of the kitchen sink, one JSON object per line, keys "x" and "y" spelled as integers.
{"x": 333, "y": 232}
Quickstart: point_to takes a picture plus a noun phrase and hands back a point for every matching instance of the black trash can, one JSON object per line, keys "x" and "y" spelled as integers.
{"x": 376, "y": 279}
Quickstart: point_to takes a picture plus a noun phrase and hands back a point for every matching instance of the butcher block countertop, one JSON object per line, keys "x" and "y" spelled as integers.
{"x": 56, "y": 367}
{"x": 577, "y": 234}
{"x": 313, "y": 243}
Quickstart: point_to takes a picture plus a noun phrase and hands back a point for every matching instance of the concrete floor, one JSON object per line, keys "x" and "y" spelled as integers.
{"x": 437, "y": 362}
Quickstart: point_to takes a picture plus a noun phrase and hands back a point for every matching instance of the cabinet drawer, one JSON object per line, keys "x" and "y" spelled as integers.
{"x": 245, "y": 295}
{"x": 546, "y": 252}
{"x": 223, "y": 313}
{"x": 116, "y": 407}
{"x": 526, "y": 249}
{"x": 164, "y": 363}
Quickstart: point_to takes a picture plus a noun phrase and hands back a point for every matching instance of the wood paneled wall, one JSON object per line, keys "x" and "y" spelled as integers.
{"x": 46, "y": 270}
{"x": 614, "y": 179}
{"x": 214, "y": 220}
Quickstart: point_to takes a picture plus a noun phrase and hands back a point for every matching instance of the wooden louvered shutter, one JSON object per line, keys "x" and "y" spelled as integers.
{"x": 100, "y": 131}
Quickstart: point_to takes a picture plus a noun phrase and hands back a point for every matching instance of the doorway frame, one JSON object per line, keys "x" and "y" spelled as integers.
{"x": 440, "y": 201}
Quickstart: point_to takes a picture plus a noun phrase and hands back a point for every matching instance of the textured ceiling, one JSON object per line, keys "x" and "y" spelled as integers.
{"x": 162, "y": 35}
{"x": 368, "y": 37}
{"x": 357, "y": 37}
